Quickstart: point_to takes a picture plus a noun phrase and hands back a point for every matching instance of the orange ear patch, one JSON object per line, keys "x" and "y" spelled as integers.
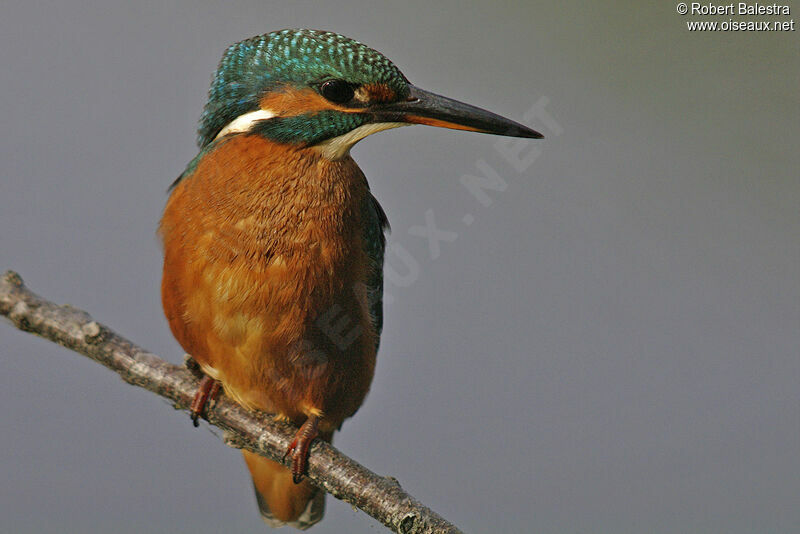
{"x": 288, "y": 102}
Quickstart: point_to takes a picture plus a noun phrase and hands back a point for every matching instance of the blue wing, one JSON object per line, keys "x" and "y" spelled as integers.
{"x": 375, "y": 225}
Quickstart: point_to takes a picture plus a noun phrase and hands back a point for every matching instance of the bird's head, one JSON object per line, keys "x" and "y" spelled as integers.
{"x": 315, "y": 88}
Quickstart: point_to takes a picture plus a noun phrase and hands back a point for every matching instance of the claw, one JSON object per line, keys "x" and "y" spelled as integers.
{"x": 299, "y": 447}
{"x": 208, "y": 390}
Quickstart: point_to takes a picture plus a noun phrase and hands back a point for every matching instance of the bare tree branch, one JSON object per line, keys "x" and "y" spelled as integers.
{"x": 345, "y": 479}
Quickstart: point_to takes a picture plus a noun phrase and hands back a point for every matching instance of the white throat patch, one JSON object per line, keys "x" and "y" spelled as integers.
{"x": 243, "y": 123}
{"x": 338, "y": 147}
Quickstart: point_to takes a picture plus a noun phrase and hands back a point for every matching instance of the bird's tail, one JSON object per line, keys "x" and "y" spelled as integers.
{"x": 281, "y": 501}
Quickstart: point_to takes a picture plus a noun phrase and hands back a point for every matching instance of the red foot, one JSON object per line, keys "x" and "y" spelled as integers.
{"x": 298, "y": 448}
{"x": 209, "y": 388}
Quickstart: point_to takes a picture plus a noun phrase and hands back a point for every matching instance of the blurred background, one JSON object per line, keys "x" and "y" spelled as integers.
{"x": 608, "y": 343}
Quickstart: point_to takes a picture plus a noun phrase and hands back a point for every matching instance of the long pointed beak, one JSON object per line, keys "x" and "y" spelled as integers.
{"x": 424, "y": 107}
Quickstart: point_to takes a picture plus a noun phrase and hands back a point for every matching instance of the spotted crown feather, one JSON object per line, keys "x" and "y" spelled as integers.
{"x": 298, "y": 56}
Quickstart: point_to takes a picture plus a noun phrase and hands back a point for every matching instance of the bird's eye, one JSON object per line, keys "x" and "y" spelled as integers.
{"x": 337, "y": 91}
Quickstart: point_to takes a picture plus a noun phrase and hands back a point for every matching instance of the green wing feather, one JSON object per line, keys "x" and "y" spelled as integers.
{"x": 375, "y": 225}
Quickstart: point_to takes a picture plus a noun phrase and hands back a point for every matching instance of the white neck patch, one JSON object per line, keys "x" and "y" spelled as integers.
{"x": 244, "y": 123}
{"x": 338, "y": 147}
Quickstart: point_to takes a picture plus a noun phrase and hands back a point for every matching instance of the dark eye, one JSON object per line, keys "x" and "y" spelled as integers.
{"x": 337, "y": 91}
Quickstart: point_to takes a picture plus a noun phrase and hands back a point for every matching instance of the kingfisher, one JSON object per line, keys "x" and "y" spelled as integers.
{"x": 274, "y": 245}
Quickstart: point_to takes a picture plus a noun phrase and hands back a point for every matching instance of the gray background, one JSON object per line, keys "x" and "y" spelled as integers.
{"x": 611, "y": 346}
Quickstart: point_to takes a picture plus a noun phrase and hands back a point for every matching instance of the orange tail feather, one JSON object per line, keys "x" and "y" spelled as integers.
{"x": 280, "y": 500}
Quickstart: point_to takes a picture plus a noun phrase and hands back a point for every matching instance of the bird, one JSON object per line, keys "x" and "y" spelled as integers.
{"x": 274, "y": 245}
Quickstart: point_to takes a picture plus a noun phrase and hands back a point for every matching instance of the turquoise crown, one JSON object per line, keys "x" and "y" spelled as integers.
{"x": 252, "y": 67}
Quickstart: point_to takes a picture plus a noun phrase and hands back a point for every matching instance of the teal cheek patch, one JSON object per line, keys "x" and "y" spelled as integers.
{"x": 310, "y": 128}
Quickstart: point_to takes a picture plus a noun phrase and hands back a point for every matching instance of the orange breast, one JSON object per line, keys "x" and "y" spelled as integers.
{"x": 264, "y": 277}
